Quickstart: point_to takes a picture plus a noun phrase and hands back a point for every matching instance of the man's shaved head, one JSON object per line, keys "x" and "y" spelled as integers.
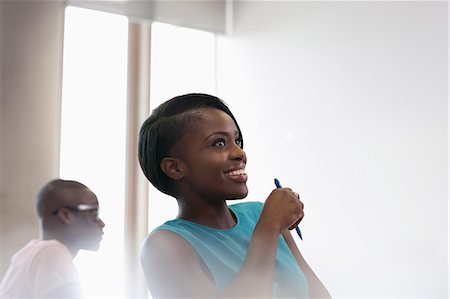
{"x": 57, "y": 194}
{"x": 61, "y": 218}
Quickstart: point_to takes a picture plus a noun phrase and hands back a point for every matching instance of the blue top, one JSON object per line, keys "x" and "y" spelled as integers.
{"x": 224, "y": 251}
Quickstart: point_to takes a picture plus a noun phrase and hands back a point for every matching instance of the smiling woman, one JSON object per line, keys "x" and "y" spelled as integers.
{"x": 211, "y": 249}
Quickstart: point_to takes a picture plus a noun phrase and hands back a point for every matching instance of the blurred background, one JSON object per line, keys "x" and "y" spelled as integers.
{"x": 345, "y": 102}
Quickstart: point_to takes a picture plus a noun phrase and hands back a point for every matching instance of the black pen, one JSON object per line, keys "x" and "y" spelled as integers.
{"x": 299, "y": 233}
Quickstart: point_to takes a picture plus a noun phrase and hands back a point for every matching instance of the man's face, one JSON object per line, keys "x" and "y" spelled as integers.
{"x": 87, "y": 227}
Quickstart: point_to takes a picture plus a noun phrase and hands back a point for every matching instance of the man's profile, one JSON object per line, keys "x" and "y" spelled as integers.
{"x": 68, "y": 218}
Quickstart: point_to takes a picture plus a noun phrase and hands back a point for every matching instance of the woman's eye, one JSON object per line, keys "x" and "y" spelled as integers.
{"x": 219, "y": 143}
{"x": 238, "y": 142}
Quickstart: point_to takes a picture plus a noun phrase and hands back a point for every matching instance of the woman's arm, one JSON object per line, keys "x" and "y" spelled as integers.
{"x": 316, "y": 287}
{"x": 172, "y": 267}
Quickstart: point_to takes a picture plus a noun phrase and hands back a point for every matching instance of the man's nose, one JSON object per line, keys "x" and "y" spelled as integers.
{"x": 100, "y": 221}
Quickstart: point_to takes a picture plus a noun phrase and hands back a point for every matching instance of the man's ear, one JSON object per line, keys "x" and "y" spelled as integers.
{"x": 172, "y": 167}
{"x": 65, "y": 216}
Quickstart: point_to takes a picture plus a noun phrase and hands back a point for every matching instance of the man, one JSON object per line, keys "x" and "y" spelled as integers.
{"x": 68, "y": 217}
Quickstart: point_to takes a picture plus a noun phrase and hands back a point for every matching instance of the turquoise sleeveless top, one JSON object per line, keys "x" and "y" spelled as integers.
{"x": 224, "y": 251}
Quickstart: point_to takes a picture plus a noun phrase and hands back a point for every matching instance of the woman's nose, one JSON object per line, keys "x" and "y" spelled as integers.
{"x": 238, "y": 153}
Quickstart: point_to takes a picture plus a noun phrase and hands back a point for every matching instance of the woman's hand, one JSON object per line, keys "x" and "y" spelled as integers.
{"x": 282, "y": 210}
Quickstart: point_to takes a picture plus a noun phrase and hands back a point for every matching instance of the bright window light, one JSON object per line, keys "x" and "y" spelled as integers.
{"x": 93, "y": 134}
{"x": 183, "y": 61}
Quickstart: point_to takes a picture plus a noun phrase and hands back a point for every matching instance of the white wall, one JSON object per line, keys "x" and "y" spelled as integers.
{"x": 346, "y": 102}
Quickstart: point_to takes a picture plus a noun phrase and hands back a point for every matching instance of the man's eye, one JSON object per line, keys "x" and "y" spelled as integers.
{"x": 219, "y": 143}
{"x": 95, "y": 213}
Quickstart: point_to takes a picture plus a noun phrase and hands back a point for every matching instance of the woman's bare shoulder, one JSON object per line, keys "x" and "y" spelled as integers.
{"x": 172, "y": 267}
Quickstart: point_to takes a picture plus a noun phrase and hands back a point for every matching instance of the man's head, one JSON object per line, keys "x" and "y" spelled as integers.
{"x": 68, "y": 212}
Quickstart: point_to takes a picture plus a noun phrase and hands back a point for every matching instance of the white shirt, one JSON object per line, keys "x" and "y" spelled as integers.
{"x": 38, "y": 268}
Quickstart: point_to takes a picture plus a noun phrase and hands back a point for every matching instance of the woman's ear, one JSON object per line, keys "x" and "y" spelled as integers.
{"x": 172, "y": 167}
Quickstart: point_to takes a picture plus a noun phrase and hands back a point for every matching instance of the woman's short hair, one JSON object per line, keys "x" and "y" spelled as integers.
{"x": 167, "y": 124}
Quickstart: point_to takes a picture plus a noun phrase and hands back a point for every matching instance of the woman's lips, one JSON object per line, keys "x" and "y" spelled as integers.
{"x": 238, "y": 175}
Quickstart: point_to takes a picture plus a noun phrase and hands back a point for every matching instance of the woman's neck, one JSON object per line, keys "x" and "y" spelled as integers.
{"x": 211, "y": 214}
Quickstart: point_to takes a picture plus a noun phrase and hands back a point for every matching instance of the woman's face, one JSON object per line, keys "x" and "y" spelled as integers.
{"x": 213, "y": 159}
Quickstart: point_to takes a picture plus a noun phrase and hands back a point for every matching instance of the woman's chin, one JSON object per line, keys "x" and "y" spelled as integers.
{"x": 240, "y": 195}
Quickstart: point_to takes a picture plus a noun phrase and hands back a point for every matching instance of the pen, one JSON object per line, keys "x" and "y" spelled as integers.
{"x": 299, "y": 233}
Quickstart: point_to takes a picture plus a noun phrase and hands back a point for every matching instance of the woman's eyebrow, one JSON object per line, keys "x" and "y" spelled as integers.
{"x": 223, "y": 133}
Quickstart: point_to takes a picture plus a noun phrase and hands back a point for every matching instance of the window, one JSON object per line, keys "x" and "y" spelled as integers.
{"x": 93, "y": 134}
{"x": 93, "y": 128}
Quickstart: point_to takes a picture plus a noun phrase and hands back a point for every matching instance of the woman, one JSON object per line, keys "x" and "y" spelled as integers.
{"x": 191, "y": 148}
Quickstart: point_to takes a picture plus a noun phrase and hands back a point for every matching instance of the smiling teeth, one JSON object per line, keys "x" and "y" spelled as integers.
{"x": 237, "y": 172}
